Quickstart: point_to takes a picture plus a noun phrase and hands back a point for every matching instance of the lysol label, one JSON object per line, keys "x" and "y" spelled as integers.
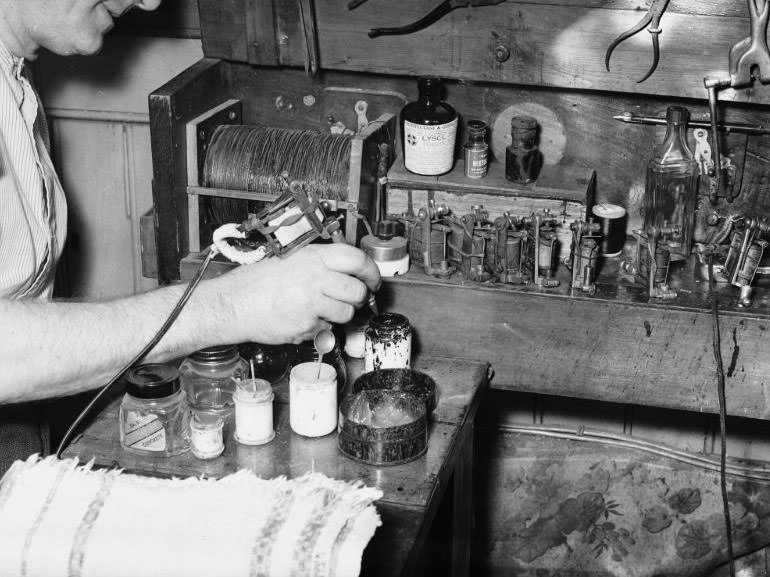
{"x": 429, "y": 149}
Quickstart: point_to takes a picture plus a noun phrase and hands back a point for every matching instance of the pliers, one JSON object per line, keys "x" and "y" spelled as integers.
{"x": 652, "y": 18}
{"x": 431, "y": 18}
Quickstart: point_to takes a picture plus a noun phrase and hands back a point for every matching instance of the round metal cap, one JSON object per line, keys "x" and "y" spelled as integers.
{"x": 152, "y": 381}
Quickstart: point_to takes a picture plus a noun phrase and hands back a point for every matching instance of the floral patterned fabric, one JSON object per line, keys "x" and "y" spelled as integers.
{"x": 561, "y": 507}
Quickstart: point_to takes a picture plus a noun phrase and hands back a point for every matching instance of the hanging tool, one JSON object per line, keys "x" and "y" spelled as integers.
{"x": 651, "y": 19}
{"x": 749, "y": 60}
{"x": 431, "y": 18}
{"x": 309, "y": 36}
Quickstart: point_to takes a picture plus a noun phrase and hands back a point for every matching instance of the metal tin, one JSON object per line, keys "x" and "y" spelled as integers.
{"x": 382, "y": 427}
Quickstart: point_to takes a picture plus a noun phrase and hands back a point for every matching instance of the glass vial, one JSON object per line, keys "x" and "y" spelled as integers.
{"x": 206, "y": 435}
{"x": 428, "y": 131}
{"x": 154, "y": 418}
{"x": 388, "y": 343}
{"x": 523, "y": 159}
{"x": 476, "y": 150}
{"x": 313, "y": 399}
{"x": 208, "y": 378}
{"x": 672, "y": 186}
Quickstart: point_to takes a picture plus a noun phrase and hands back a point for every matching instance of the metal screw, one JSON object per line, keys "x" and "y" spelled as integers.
{"x": 232, "y": 115}
{"x": 502, "y": 53}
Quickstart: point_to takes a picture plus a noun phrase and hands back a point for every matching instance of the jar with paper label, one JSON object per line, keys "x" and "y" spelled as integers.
{"x": 428, "y": 131}
{"x": 154, "y": 417}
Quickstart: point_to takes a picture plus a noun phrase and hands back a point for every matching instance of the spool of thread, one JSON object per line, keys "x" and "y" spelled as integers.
{"x": 612, "y": 219}
{"x": 313, "y": 399}
{"x": 254, "y": 412}
{"x": 388, "y": 342}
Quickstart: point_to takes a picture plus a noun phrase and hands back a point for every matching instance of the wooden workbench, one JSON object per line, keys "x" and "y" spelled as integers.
{"x": 412, "y": 493}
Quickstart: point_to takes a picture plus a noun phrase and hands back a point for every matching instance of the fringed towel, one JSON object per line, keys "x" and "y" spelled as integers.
{"x": 59, "y": 519}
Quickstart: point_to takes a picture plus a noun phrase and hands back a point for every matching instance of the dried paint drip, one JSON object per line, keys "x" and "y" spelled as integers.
{"x": 388, "y": 343}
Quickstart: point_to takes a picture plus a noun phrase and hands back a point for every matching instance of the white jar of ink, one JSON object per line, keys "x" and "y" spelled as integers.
{"x": 313, "y": 399}
{"x": 253, "y": 412}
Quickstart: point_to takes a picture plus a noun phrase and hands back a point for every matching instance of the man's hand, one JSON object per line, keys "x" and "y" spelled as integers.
{"x": 290, "y": 300}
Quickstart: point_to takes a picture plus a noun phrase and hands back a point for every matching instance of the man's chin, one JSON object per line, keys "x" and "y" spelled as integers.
{"x": 93, "y": 46}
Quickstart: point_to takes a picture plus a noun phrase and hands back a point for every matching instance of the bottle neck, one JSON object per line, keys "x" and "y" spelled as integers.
{"x": 675, "y": 143}
{"x": 429, "y": 92}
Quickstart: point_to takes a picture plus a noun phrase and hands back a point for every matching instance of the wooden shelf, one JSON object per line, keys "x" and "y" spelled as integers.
{"x": 572, "y": 183}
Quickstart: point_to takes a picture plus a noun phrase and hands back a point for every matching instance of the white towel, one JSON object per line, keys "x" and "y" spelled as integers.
{"x": 61, "y": 519}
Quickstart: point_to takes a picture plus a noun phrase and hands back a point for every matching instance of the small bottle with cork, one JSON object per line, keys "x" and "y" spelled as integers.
{"x": 476, "y": 150}
{"x": 523, "y": 159}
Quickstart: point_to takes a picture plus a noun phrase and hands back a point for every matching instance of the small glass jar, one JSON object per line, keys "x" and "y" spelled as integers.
{"x": 154, "y": 417}
{"x": 254, "y": 412}
{"x": 313, "y": 399}
{"x": 388, "y": 343}
{"x": 523, "y": 159}
{"x": 208, "y": 378}
{"x": 476, "y": 150}
{"x": 206, "y": 435}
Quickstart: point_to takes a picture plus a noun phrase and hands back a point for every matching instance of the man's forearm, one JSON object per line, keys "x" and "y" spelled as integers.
{"x": 60, "y": 348}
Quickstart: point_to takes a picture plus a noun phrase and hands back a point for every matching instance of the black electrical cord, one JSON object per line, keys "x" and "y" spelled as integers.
{"x": 141, "y": 354}
{"x": 717, "y": 346}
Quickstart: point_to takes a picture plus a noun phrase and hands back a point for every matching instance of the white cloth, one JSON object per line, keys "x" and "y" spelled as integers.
{"x": 33, "y": 211}
{"x": 58, "y": 519}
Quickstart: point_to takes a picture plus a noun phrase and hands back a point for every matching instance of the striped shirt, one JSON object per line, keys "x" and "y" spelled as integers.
{"x": 32, "y": 206}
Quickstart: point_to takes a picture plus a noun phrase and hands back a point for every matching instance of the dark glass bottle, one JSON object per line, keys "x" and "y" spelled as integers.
{"x": 672, "y": 186}
{"x": 428, "y": 131}
{"x": 523, "y": 159}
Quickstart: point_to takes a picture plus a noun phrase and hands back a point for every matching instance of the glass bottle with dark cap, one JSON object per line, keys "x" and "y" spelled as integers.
{"x": 523, "y": 159}
{"x": 672, "y": 186}
{"x": 154, "y": 417}
{"x": 428, "y": 130}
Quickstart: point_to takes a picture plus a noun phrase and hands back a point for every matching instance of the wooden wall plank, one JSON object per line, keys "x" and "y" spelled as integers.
{"x": 551, "y": 44}
{"x": 590, "y": 348}
{"x": 224, "y": 28}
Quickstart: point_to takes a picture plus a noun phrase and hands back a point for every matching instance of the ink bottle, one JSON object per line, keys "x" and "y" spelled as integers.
{"x": 313, "y": 399}
{"x": 208, "y": 378}
{"x": 476, "y": 150}
{"x": 523, "y": 159}
{"x": 154, "y": 417}
{"x": 306, "y": 353}
{"x": 672, "y": 185}
{"x": 428, "y": 131}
